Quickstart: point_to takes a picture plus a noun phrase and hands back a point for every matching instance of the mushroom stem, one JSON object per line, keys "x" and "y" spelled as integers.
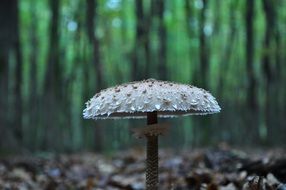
{"x": 152, "y": 180}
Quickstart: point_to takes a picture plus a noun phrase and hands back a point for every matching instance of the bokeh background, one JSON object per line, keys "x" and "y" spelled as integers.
{"x": 56, "y": 54}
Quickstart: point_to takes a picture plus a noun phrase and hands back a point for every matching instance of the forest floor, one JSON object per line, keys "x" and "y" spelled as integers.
{"x": 210, "y": 169}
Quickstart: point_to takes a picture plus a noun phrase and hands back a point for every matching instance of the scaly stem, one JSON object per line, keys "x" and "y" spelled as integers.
{"x": 152, "y": 179}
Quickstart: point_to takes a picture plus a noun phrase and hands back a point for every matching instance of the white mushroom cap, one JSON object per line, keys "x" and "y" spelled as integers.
{"x": 135, "y": 99}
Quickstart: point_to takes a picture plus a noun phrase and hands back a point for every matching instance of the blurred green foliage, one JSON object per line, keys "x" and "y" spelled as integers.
{"x": 115, "y": 28}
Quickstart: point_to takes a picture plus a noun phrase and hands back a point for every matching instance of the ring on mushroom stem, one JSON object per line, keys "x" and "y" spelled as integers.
{"x": 150, "y": 98}
{"x": 154, "y": 129}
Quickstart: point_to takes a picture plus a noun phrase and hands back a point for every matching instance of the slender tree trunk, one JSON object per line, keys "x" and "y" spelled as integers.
{"x": 279, "y": 62}
{"x": 4, "y": 64}
{"x": 138, "y": 53}
{"x": 218, "y": 13}
{"x": 53, "y": 70}
{"x": 6, "y": 41}
{"x": 141, "y": 59}
{"x": 268, "y": 70}
{"x": 52, "y": 81}
{"x": 190, "y": 18}
{"x": 91, "y": 20}
{"x": 204, "y": 49}
{"x": 10, "y": 46}
{"x": 163, "y": 42}
{"x": 146, "y": 41}
{"x": 251, "y": 88}
{"x": 251, "y": 101}
{"x": 268, "y": 37}
{"x": 18, "y": 87}
{"x": 33, "y": 99}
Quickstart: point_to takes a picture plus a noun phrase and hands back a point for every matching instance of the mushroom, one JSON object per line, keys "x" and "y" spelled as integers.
{"x": 150, "y": 98}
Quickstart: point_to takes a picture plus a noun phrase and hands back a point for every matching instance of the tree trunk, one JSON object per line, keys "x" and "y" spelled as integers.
{"x": 251, "y": 88}
{"x": 190, "y": 18}
{"x": 6, "y": 41}
{"x": 33, "y": 99}
{"x": 251, "y": 109}
{"x": 91, "y": 19}
{"x": 162, "y": 54}
{"x": 146, "y": 41}
{"x": 53, "y": 81}
{"x": 96, "y": 60}
{"x": 53, "y": 70}
{"x": 268, "y": 37}
{"x": 138, "y": 53}
{"x": 204, "y": 49}
{"x": 268, "y": 69}
{"x": 18, "y": 87}
{"x": 218, "y": 14}
{"x": 10, "y": 46}
{"x": 4, "y": 94}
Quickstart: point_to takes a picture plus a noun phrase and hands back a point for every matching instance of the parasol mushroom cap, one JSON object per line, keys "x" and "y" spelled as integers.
{"x": 135, "y": 99}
